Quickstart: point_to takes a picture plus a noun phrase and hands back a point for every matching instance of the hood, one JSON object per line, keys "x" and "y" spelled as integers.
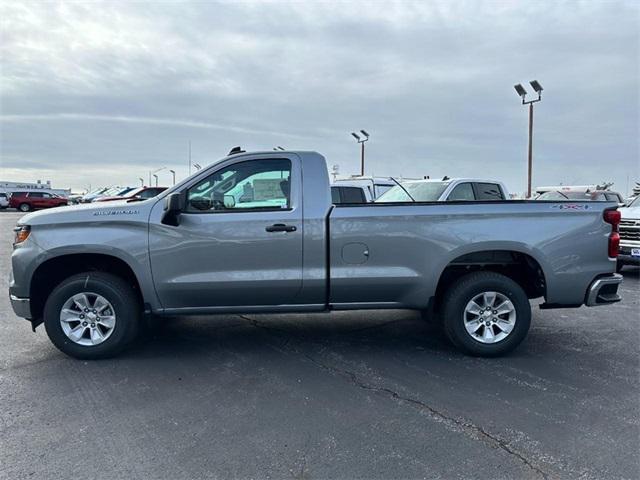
{"x": 630, "y": 212}
{"x": 90, "y": 212}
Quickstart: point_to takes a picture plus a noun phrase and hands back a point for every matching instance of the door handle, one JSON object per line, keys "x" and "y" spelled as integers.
{"x": 281, "y": 227}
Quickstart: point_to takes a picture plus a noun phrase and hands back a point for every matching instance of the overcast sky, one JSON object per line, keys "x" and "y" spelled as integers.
{"x": 99, "y": 93}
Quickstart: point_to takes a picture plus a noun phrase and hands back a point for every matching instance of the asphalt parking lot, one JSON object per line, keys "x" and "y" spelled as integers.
{"x": 377, "y": 394}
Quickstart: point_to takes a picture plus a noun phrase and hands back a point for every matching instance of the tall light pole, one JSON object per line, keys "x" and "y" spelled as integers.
{"x": 523, "y": 93}
{"x": 335, "y": 171}
{"x": 189, "y": 157}
{"x": 156, "y": 177}
{"x": 141, "y": 181}
{"x": 151, "y": 172}
{"x": 361, "y": 142}
{"x": 173, "y": 173}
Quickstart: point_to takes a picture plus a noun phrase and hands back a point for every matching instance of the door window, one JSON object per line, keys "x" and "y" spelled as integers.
{"x": 462, "y": 192}
{"x": 35, "y": 195}
{"x": 244, "y": 186}
{"x": 488, "y": 191}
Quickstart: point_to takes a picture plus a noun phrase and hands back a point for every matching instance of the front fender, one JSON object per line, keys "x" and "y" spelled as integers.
{"x": 126, "y": 241}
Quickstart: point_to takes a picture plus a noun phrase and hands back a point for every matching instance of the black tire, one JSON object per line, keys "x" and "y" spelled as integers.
{"x": 115, "y": 290}
{"x": 24, "y": 207}
{"x": 471, "y": 285}
{"x": 619, "y": 266}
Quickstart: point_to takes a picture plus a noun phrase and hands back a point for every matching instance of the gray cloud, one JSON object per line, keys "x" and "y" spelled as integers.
{"x": 127, "y": 85}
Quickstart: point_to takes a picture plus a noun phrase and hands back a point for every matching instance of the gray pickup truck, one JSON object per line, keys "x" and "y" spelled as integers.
{"x": 257, "y": 232}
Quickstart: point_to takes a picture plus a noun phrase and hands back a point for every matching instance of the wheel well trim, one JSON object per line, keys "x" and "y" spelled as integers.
{"x": 141, "y": 273}
{"x": 514, "y": 247}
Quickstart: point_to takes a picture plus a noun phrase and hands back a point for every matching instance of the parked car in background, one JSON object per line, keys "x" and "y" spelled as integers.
{"x": 75, "y": 198}
{"x": 372, "y": 187}
{"x": 4, "y": 200}
{"x": 141, "y": 193}
{"x": 629, "y": 253}
{"x": 114, "y": 192}
{"x": 445, "y": 190}
{"x": 594, "y": 196}
{"x": 351, "y": 194}
{"x": 27, "y": 201}
{"x": 88, "y": 197}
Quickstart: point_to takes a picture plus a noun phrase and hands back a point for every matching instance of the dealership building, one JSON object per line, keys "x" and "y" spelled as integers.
{"x": 10, "y": 187}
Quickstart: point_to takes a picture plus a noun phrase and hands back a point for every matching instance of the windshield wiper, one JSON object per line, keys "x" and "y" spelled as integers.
{"x": 403, "y": 189}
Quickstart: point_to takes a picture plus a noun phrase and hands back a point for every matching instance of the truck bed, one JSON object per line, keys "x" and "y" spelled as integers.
{"x": 394, "y": 254}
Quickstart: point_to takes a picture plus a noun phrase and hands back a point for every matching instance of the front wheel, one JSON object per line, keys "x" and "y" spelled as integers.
{"x": 486, "y": 314}
{"x": 92, "y": 315}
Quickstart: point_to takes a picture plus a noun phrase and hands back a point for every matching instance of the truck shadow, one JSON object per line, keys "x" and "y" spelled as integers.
{"x": 254, "y": 334}
{"x": 630, "y": 271}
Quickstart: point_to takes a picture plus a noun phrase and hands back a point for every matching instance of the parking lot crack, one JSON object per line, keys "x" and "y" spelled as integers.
{"x": 469, "y": 429}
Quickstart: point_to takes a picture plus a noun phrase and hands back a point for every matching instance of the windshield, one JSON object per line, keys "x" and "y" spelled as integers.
{"x": 569, "y": 196}
{"x": 124, "y": 190}
{"x": 420, "y": 191}
{"x": 634, "y": 202}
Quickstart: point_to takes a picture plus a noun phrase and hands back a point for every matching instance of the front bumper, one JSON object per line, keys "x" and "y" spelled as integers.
{"x": 604, "y": 290}
{"x": 624, "y": 254}
{"x": 21, "y": 306}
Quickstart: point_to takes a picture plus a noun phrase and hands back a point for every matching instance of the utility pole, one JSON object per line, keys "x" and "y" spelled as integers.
{"x": 361, "y": 142}
{"x": 523, "y": 93}
{"x": 189, "y": 157}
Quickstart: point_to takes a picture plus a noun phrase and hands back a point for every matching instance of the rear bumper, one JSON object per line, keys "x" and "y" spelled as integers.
{"x": 604, "y": 290}
{"x": 21, "y": 306}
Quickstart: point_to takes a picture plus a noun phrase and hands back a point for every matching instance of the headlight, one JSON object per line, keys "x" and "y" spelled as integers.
{"x": 22, "y": 233}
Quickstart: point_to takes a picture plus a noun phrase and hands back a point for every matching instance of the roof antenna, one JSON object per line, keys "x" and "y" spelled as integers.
{"x": 236, "y": 150}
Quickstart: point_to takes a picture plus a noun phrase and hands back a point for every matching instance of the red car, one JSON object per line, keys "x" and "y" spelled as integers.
{"x": 26, "y": 201}
{"x": 141, "y": 193}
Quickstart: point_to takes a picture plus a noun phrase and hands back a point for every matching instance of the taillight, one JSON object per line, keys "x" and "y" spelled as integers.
{"x": 614, "y": 244}
{"x": 613, "y": 217}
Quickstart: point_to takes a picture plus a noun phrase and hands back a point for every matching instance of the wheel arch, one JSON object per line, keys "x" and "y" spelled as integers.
{"x": 520, "y": 264}
{"x": 55, "y": 269}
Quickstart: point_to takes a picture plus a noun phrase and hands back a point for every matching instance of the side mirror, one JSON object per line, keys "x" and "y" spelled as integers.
{"x": 173, "y": 205}
{"x": 229, "y": 201}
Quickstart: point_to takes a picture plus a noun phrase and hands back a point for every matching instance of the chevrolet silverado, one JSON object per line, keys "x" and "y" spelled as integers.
{"x": 257, "y": 232}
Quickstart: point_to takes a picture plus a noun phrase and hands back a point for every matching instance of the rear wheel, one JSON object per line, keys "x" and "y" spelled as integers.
{"x": 92, "y": 315}
{"x": 24, "y": 207}
{"x": 486, "y": 314}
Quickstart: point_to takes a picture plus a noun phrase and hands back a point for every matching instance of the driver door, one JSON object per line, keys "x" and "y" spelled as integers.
{"x": 239, "y": 238}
